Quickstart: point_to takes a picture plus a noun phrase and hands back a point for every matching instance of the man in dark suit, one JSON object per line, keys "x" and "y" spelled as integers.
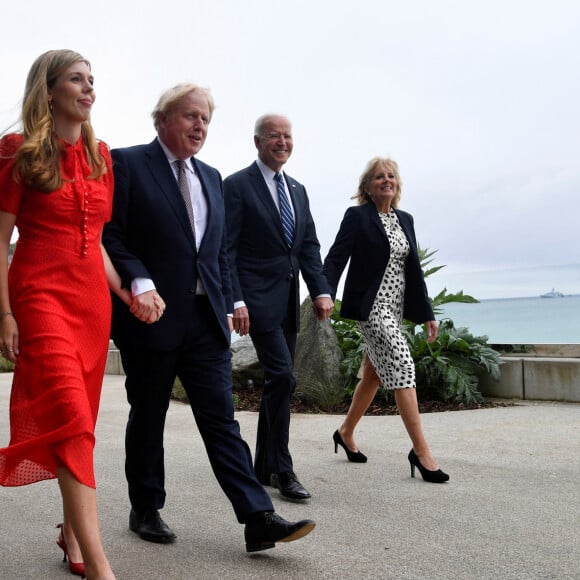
{"x": 271, "y": 239}
{"x": 167, "y": 241}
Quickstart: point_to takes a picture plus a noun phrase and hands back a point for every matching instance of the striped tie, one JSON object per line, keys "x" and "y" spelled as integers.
{"x": 184, "y": 189}
{"x": 285, "y": 211}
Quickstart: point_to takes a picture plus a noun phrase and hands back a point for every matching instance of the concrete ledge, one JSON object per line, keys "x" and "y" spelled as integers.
{"x": 547, "y": 379}
{"x": 536, "y": 378}
{"x": 114, "y": 365}
{"x": 522, "y": 377}
{"x": 543, "y": 350}
{"x": 555, "y": 350}
{"x": 511, "y": 383}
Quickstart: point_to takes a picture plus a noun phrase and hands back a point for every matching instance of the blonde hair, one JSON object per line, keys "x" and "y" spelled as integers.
{"x": 37, "y": 161}
{"x": 362, "y": 195}
{"x": 171, "y": 98}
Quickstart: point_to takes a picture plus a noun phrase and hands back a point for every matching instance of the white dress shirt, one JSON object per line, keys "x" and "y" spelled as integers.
{"x": 199, "y": 203}
{"x": 270, "y": 178}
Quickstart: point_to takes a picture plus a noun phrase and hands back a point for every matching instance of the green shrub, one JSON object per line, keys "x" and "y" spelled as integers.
{"x": 450, "y": 367}
{"x": 178, "y": 392}
{"x": 5, "y": 365}
{"x": 323, "y": 396}
{"x": 351, "y": 344}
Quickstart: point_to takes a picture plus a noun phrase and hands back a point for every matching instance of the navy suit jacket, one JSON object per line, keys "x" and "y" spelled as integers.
{"x": 362, "y": 239}
{"x": 263, "y": 267}
{"x": 149, "y": 236}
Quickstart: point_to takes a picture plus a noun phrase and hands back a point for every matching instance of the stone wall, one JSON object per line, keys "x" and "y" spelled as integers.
{"x": 549, "y": 372}
{"x": 546, "y": 372}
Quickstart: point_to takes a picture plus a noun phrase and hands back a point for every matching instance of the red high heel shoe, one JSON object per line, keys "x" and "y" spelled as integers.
{"x": 76, "y": 568}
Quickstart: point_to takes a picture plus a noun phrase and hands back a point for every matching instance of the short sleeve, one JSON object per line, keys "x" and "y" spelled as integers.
{"x": 11, "y": 192}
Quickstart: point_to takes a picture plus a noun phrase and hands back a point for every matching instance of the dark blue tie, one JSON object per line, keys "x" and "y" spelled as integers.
{"x": 285, "y": 211}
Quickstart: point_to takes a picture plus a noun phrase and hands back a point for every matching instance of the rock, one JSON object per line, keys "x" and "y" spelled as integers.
{"x": 245, "y": 364}
{"x": 317, "y": 360}
{"x": 318, "y": 356}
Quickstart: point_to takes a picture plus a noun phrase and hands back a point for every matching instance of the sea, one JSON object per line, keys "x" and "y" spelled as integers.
{"x": 517, "y": 320}
{"x": 511, "y": 310}
{"x": 532, "y": 320}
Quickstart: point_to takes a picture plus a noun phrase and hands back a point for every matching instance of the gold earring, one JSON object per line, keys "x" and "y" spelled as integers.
{"x": 50, "y": 106}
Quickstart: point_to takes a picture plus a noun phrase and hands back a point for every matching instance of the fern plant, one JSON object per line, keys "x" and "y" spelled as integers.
{"x": 450, "y": 367}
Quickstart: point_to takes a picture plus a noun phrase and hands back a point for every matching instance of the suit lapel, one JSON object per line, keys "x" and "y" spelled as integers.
{"x": 403, "y": 221}
{"x": 408, "y": 231}
{"x": 208, "y": 194}
{"x": 262, "y": 192}
{"x": 295, "y": 199}
{"x": 375, "y": 219}
{"x": 162, "y": 173}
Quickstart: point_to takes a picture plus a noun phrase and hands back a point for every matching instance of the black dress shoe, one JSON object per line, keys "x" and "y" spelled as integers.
{"x": 289, "y": 486}
{"x": 267, "y": 528}
{"x": 149, "y": 526}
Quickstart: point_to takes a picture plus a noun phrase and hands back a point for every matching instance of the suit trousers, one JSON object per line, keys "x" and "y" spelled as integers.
{"x": 203, "y": 364}
{"x": 275, "y": 350}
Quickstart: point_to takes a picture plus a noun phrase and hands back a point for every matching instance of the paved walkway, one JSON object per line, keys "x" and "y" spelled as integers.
{"x": 511, "y": 509}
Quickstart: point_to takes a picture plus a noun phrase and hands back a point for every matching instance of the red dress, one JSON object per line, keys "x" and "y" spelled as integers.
{"x": 61, "y": 302}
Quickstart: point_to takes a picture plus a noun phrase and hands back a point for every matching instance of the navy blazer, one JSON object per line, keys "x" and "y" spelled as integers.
{"x": 262, "y": 266}
{"x": 149, "y": 236}
{"x": 362, "y": 239}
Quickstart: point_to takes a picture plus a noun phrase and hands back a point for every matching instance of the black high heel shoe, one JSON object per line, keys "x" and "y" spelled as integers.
{"x": 427, "y": 475}
{"x": 354, "y": 456}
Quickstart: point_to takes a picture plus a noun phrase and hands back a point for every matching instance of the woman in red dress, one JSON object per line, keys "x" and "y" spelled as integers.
{"x": 56, "y": 187}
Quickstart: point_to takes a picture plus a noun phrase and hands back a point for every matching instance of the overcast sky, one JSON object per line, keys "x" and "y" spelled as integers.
{"x": 478, "y": 102}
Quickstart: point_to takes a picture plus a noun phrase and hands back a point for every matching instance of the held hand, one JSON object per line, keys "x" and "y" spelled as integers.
{"x": 9, "y": 337}
{"x": 159, "y": 304}
{"x": 323, "y": 307}
{"x": 148, "y": 307}
{"x": 432, "y": 330}
{"x": 241, "y": 320}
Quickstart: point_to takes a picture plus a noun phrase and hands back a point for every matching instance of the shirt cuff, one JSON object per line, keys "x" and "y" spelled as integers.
{"x": 239, "y": 304}
{"x": 141, "y": 285}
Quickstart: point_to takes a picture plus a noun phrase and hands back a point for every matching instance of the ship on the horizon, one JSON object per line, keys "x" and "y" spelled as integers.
{"x": 552, "y": 294}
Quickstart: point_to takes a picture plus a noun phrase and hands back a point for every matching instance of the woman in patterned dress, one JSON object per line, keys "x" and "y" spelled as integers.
{"x": 384, "y": 284}
{"x": 56, "y": 187}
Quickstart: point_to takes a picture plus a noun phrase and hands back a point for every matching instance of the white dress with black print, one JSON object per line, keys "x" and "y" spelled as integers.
{"x": 385, "y": 344}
